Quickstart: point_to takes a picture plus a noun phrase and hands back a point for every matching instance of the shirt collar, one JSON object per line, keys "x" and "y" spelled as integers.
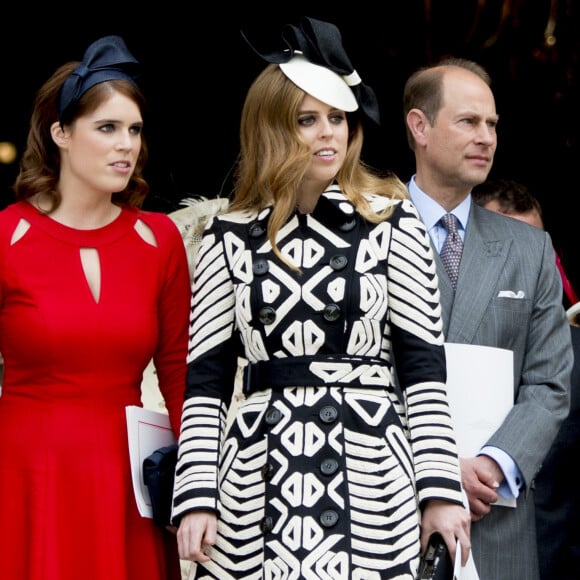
{"x": 431, "y": 212}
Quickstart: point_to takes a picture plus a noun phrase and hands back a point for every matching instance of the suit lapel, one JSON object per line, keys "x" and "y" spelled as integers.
{"x": 484, "y": 256}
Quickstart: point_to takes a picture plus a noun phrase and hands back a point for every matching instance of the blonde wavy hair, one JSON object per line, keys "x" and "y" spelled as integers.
{"x": 274, "y": 157}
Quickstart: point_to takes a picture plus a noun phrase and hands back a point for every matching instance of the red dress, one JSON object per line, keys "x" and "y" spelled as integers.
{"x": 72, "y": 364}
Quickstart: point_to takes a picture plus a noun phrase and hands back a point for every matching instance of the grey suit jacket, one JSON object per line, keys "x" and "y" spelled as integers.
{"x": 504, "y": 254}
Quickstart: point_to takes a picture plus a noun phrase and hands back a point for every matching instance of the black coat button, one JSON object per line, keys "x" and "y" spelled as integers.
{"x": 272, "y": 416}
{"x": 328, "y": 414}
{"x": 348, "y": 225}
{"x": 331, "y": 312}
{"x": 267, "y": 471}
{"x": 260, "y": 267}
{"x": 328, "y": 518}
{"x": 267, "y": 315}
{"x": 257, "y": 230}
{"x": 338, "y": 262}
{"x": 266, "y": 524}
{"x": 328, "y": 466}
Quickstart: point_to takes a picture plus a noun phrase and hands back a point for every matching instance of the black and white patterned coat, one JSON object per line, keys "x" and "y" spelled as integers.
{"x": 323, "y": 469}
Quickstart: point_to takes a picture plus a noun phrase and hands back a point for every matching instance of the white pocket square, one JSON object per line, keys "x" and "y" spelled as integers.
{"x": 510, "y": 294}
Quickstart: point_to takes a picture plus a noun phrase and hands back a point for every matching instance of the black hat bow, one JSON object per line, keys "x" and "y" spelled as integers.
{"x": 105, "y": 59}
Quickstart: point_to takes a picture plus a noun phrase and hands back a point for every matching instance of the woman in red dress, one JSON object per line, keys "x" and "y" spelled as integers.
{"x": 92, "y": 288}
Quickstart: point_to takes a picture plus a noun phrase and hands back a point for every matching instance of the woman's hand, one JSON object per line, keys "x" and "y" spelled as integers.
{"x": 452, "y": 522}
{"x": 197, "y": 532}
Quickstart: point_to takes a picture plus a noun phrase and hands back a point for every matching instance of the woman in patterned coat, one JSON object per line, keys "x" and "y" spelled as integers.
{"x": 320, "y": 275}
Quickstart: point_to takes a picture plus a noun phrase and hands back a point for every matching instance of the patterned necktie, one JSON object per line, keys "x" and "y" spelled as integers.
{"x": 452, "y": 248}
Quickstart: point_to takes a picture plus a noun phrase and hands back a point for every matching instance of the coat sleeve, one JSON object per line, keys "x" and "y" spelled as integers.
{"x": 212, "y": 365}
{"x": 418, "y": 346}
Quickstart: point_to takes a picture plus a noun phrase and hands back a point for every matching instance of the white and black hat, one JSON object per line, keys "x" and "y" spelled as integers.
{"x": 314, "y": 59}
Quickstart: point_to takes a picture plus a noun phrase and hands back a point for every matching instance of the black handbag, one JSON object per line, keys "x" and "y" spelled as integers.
{"x": 436, "y": 562}
{"x": 159, "y": 475}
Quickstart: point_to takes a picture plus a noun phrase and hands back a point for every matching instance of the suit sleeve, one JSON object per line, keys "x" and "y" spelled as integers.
{"x": 542, "y": 368}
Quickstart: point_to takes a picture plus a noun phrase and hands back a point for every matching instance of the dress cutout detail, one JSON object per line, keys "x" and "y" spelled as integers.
{"x": 92, "y": 270}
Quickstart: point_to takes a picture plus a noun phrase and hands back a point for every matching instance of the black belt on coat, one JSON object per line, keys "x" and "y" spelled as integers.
{"x": 327, "y": 370}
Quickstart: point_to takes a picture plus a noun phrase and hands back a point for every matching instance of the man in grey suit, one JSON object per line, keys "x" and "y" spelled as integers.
{"x": 508, "y": 295}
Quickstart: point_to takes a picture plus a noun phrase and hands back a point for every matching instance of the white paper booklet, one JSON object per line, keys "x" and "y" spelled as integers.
{"x": 480, "y": 395}
{"x": 147, "y": 431}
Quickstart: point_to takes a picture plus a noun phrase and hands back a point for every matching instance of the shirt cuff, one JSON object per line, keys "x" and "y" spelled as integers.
{"x": 511, "y": 485}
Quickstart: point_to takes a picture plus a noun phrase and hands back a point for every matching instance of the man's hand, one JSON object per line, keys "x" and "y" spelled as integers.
{"x": 480, "y": 476}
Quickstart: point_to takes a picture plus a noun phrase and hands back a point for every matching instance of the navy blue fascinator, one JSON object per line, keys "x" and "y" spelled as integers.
{"x": 317, "y": 45}
{"x": 105, "y": 59}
